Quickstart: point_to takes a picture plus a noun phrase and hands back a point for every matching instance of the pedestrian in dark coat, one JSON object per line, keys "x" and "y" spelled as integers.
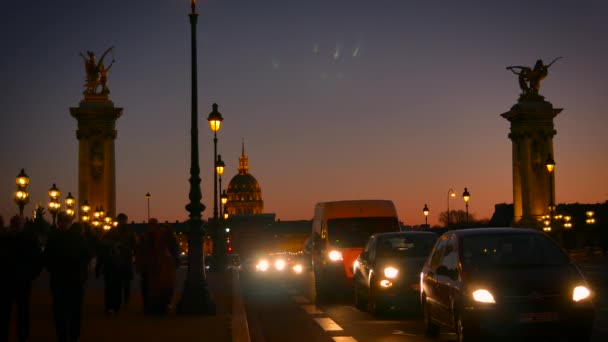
{"x": 20, "y": 264}
{"x": 156, "y": 262}
{"x": 115, "y": 262}
{"x": 66, "y": 257}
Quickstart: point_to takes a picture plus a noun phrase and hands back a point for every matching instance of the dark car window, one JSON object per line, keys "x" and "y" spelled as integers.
{"x": 406, "y": 245}
{"x": 437, "y": 253}
{"x": 510, "y": 250}
{"x": 354, "y": 232}
{"x": 450, "y": 258}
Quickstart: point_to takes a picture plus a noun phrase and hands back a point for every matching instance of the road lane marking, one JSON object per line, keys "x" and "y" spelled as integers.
{"x": 328, "y": 324}
{"x": 344, "y": 339}
{"x": 301, "y": 299}
{"x": 312, "y": 309}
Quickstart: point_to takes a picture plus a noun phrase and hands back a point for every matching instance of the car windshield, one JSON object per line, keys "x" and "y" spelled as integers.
{"x": 510, "y": 250}
{"x": 411, "y": 245}
{"x": 354, "y": 232}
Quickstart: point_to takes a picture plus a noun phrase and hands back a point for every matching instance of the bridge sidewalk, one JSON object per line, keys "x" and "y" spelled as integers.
{"x": 131, "y": 324}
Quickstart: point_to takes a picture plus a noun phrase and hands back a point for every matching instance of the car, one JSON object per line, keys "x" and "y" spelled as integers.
{"x": 279, "y": 263}
{"x": 387, "y": 272}
{"x": 493, "y": 282}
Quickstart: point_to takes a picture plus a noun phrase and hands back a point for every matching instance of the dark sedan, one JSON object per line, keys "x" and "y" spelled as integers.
{"x": 502, "y": 282}
{"x": 387, "y": 272}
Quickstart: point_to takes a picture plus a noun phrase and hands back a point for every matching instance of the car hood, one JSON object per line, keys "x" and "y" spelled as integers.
{"x": 516, "y": 282}
{"x": 410, "y": 265}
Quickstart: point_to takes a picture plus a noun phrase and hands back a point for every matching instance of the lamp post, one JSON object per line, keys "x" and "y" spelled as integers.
{"x": 148, "y": 199}
{"x": 195, "y": 296}
{"x": 219, "y": 169}
{"x": 550, "y": 164}
{"x": 451, "y": 193}
{"x": 224, "y": 200}
{"x": 70, "y": 201}
{"x": 85, "y": 208}
{"x": 54, "y": 205}
{"x": 215, "y": 121}
{"x": 425, "y": 211}
{"x": 22, "y": 197}
{"x": 466, "y": 196}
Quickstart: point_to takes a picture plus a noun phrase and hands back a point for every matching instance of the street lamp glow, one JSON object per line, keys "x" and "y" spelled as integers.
{"x": 550, "y": 164}
{"x": 425, "y": 211}
{"x": 466, "y": 196}
{"x": 22, "y": 179}
{"x": 219, "y": 165}
{"x": 54, "y": 193}
{"x": 215, "y": 119}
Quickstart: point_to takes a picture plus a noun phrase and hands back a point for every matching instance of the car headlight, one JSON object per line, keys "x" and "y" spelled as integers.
{"x": 297, "y": 268}
{"x": 335, "y": 255}
{"x": 579, "y": 293}
{"x": 262, "y": 265}
{"x": 390, "y": 272}
{"x": 279, "y": 264}
{"x": 483, "y": 296}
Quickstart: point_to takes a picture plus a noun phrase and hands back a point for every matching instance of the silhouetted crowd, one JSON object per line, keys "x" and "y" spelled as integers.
{"x": 70, "y": 252}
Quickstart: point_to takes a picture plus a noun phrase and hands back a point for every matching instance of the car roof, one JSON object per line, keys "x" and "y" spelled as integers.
{"x": 492, "y": 230}
{"x": 393, "y": 234}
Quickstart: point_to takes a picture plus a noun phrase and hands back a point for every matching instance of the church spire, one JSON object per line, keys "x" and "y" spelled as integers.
{"x": 243, "y": 162}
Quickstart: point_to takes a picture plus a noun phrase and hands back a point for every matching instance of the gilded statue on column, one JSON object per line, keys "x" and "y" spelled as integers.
{"x": 97, "y": 73}
{"x": 529, "y": 79}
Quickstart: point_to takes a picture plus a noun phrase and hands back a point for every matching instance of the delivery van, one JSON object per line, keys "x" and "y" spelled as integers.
{"x": 340, "y": 230}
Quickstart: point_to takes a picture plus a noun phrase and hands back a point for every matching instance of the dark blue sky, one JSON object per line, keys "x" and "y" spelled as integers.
{"x": 335, "y": 99}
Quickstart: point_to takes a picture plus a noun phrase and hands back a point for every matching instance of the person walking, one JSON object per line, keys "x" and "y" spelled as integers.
{"x": 127, "y": 242}
{"x": 115, "y": 261}
{"x": 66, "y": 258}
{"x": 20, "y": 264}
{"x": 156, "y": 262}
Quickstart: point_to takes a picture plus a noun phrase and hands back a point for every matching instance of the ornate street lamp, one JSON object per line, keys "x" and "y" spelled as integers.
{"x": 148, "y": 198}
{"x": 54, "y": 205}
{"x": 22, "y": 197}
{"x": 550, "y": 164}
{"x": 451, "y": 193}
{"x": 466, "y": 196}
{"x": 219, "y": 169}
{"x": 215, "y": 121}
{"x": 195, "y": 296}
{"x": 224, "y": 200}
{"x": 425, "y": 211}
{"x": 85, "y": 208}
{"x": 70, "y": 201}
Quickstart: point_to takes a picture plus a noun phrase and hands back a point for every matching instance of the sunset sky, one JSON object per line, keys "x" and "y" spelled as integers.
{"x": 335, "y": 99}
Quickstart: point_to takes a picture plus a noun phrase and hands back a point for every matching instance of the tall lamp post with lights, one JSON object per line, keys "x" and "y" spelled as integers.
{"x": 550, "y": 164}
{"x": 148, "y": 200}
{"x": 425, "y": 211}
{"x": 215, "y": 122}
{"x": 219, "y": 169}
{"x": 85, "y": 209}
{"x": 451, "y": 193}
{"x": 54, "y": 205}
{"x": 70, "y": 202}
{"x": 22, "y": 197}
{"x": 466, "y": 196}
{"x": 195, "y": 296}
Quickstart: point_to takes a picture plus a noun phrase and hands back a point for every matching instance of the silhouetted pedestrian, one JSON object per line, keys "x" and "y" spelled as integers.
{"x": 115, "y": 261}
{"x": 66, "y": 258}
{"x": 156, "y": 262}
{"x": 20, "y": 264}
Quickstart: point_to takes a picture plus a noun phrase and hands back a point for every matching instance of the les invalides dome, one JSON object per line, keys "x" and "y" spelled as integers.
{"x": 244, "y": 192}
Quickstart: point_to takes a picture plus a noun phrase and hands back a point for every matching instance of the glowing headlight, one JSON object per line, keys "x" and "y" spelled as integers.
{"x": 279, "y": 264}
{"x": 335, "y": 255}
{"x": 262, "y": 265}
{"x": 483, "y": 296}
{"x": 390, "y": 272}
{"x": 580, "y": 293}
{"x": 297, "y": 268}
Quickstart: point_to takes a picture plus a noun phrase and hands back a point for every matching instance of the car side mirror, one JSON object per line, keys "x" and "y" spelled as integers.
{"x": 364, "y": 255}
{"x": 442, "y": 270}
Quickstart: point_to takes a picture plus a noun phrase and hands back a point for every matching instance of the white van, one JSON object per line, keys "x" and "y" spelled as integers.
{"x": 340, "y": 230}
